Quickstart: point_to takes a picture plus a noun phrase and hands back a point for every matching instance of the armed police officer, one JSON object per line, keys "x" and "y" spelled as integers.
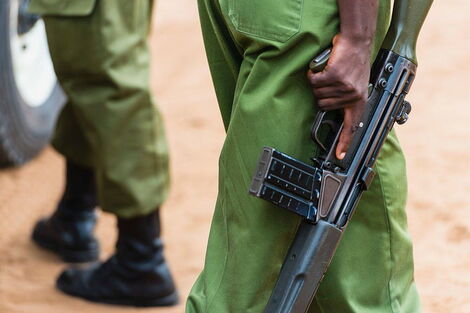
{"x": 113, "y": 140}
{"x": 258, "y": 53}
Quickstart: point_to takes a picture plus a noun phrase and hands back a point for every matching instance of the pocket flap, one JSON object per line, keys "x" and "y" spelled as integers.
{"x": 62, "y": 7}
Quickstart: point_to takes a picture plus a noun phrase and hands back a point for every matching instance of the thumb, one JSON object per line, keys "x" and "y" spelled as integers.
{"x": 347, "y": 133}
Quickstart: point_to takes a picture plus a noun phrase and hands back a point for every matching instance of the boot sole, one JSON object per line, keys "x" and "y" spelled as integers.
{"x": 169, "y": 300}
{"x": 67, "y": 255}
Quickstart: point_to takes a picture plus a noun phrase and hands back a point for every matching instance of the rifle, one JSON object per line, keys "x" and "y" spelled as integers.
{"x": 326, "y": 194}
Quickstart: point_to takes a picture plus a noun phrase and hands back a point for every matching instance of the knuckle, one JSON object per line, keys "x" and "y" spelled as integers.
{"x": 312, "y": 78}
{"x": 317, "y": 93}
{"x": 357, "y": 95}
{"x": 322, "y": 103}
{"x": 360, "y": 96}
{"x": 334, "y": 74}
{"x": 344, "y": 89}
{"x": 349, "y": 87}
{"x": 363, "y": 98}
{"x": 347, "y": 137}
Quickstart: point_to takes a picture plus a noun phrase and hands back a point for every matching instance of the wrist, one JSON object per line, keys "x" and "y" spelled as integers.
{"x": 353, "y": 45}
{"x": 358, "y": 40}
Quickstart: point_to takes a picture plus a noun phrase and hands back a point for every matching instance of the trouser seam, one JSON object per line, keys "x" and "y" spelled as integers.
{"x": 209, "y": 302}
{"x": 389, "y": 231}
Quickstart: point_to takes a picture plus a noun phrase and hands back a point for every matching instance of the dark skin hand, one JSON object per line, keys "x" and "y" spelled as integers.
{"x": 343, "y": 84}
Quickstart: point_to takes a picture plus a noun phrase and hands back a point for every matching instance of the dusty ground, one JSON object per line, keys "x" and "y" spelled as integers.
{"x": 435, "y": 142}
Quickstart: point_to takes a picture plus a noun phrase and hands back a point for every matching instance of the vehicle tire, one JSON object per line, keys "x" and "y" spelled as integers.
{"x": 30, "y": 97}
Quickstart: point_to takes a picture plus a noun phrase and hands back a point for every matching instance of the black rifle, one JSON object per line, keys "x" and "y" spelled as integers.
{"x": 326, "y": 194}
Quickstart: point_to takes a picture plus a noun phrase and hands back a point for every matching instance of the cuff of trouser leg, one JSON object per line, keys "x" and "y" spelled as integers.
{"x": 62, "y": 7}
{"x": 136, "y": 210}
{"x": 72, "y": 153}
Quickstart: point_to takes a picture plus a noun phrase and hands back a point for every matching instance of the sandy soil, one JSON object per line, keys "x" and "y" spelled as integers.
{"x": 435, "y": 141}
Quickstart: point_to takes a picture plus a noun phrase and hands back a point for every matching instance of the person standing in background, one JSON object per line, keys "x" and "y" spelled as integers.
{"x": 113, "y": 140}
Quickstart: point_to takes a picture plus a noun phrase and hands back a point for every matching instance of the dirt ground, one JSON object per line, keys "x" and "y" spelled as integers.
{"x": 435, "y": 141}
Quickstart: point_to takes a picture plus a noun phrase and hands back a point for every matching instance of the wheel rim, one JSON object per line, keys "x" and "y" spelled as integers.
{"x": 32, "y": 67}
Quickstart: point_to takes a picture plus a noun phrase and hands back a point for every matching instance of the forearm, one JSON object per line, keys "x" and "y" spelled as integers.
{"x": 358, "y": 20}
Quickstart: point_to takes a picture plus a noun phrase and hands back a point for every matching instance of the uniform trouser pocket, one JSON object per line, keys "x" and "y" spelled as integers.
{"x": 276, "y": 20}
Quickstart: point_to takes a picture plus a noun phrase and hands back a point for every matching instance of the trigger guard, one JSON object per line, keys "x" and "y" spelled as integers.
{"x": 317, "y": 126}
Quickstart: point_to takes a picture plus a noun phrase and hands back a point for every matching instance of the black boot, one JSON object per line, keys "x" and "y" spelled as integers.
{"x": 136, "y": 275}
{"x": 69, "y": 231}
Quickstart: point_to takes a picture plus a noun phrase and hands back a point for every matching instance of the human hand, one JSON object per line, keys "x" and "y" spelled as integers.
{"x": 343, "y": 84}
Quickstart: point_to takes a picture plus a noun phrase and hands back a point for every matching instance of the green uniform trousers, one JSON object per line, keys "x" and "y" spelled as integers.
{"x": 258, "y": 53}
{"x": 100, "y": 54}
